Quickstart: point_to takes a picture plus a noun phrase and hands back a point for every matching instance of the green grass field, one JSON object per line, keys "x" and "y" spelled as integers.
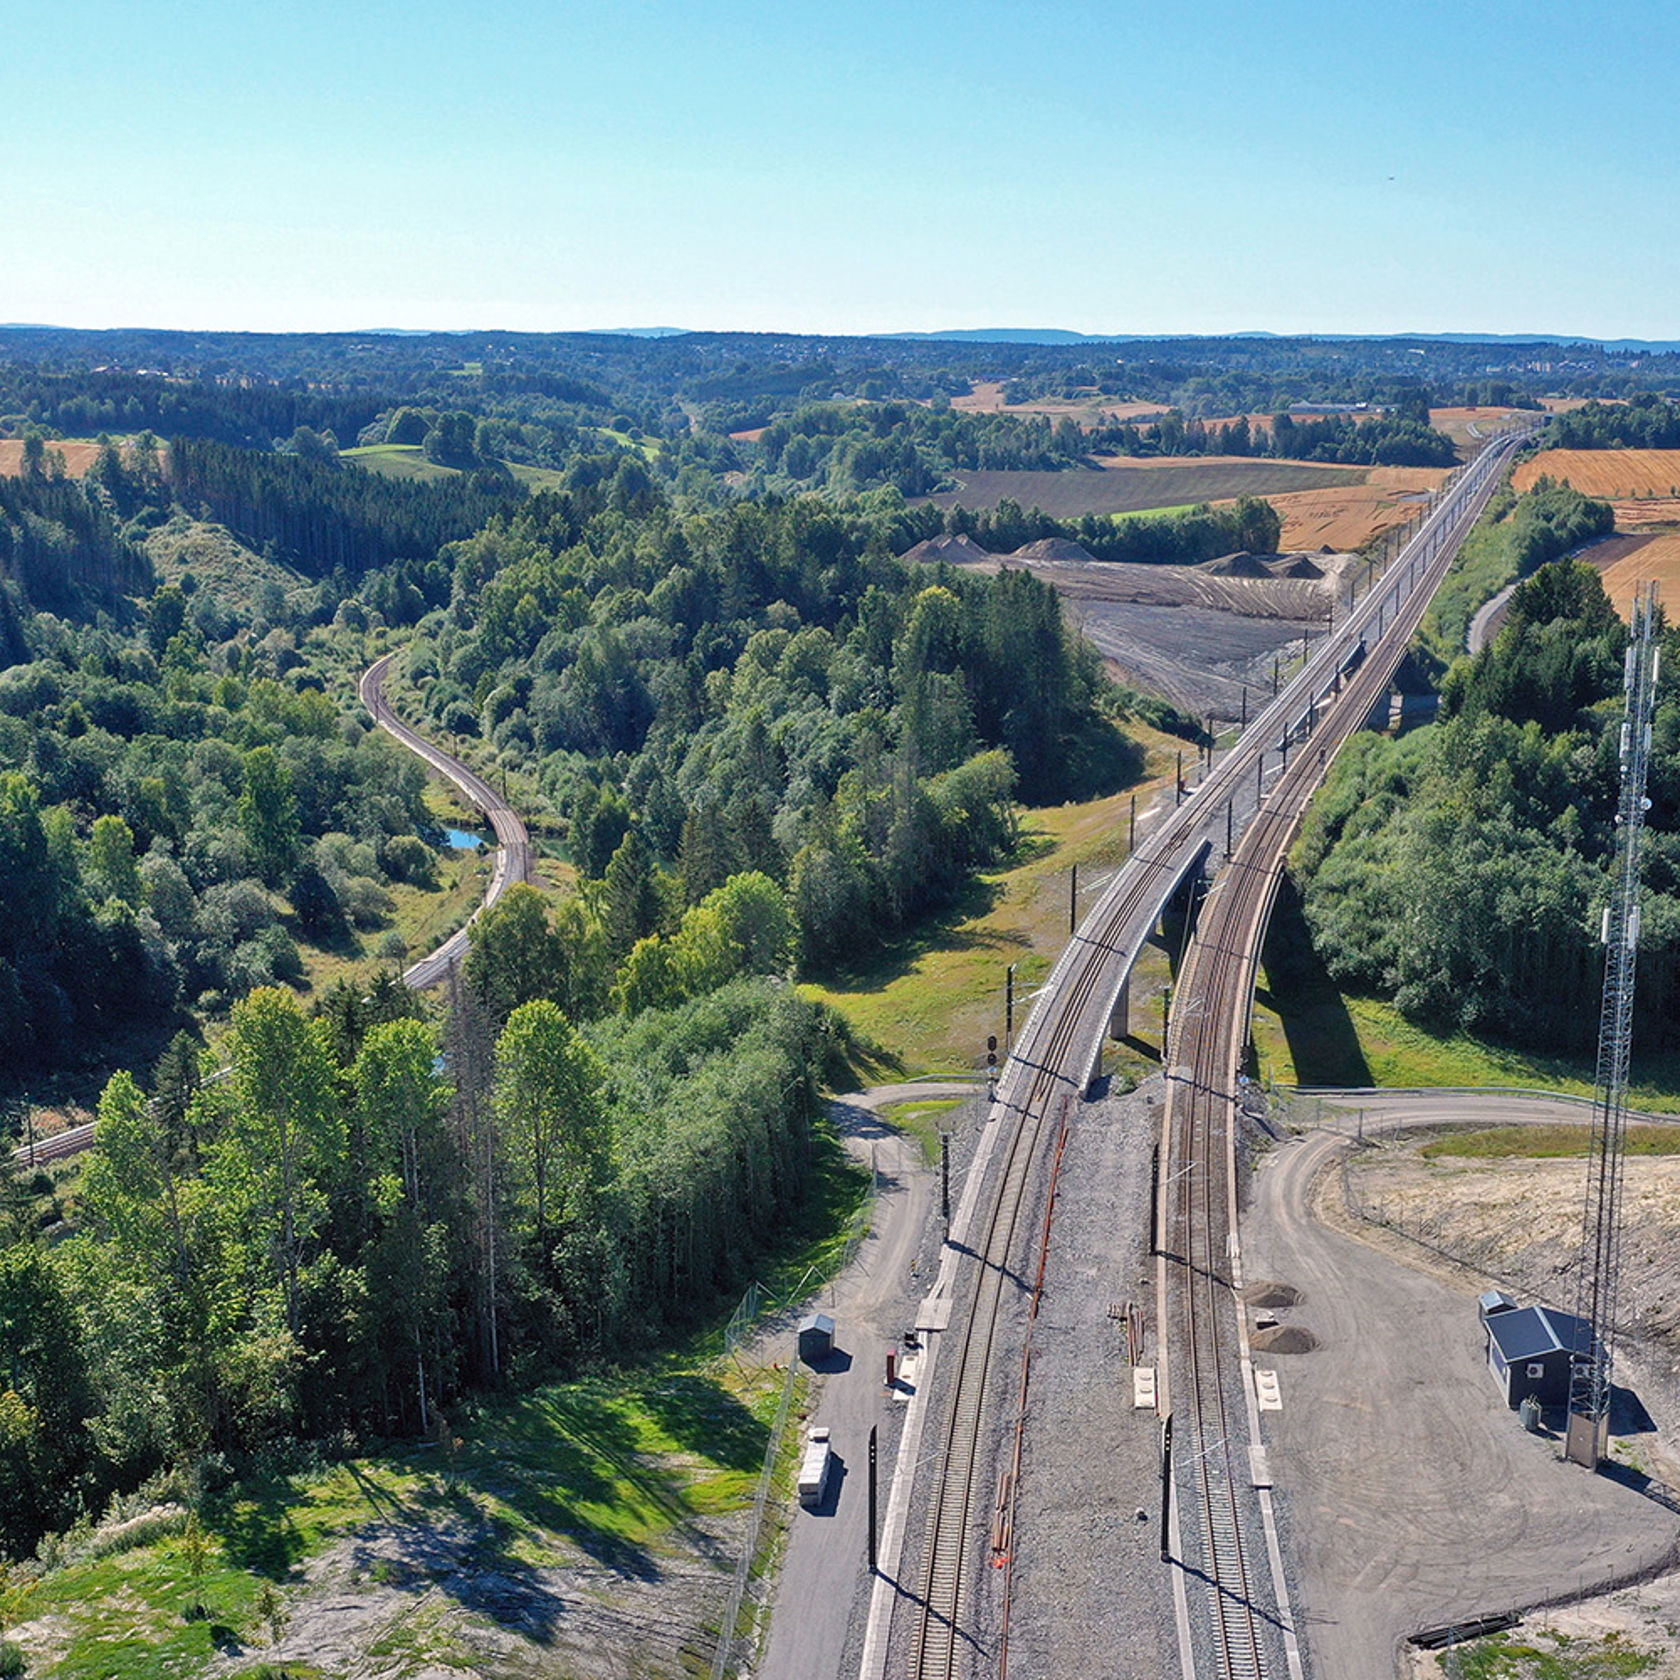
{"x": 1498, "y": 1143}
{"x": 398, "y": 460}
{"x": 928, "y": 1001}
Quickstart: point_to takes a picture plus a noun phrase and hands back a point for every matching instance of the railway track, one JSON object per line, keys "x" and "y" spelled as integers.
{"x": 513, "y": 842}
{"x": 1246, "y": 1630}
{"x": 1056, "y": 1054}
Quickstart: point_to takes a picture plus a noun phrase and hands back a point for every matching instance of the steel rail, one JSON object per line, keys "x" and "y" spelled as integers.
{"x": 1066, "y": 1025}
{"x": 1247, "y": 1623}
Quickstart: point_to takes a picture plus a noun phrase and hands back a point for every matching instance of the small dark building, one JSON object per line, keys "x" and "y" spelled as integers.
{"x": 1530, "y": 1351}
{"x": 816, "y": 1337}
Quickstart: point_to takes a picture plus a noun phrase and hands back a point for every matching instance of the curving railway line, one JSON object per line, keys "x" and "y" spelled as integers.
{"x": 513, "y": 854}
{"x": 980, "y": 1280}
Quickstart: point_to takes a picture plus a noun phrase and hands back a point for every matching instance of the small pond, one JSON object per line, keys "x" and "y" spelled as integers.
{"x": 462, "y": 840}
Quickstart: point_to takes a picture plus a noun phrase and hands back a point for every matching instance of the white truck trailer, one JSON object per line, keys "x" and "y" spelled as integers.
{"x": 813, "y": 1467}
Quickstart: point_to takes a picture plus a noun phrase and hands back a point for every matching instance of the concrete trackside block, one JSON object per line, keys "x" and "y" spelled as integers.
{"x": 1266, "y": 1391}
{"x": 1143, "y": 1388}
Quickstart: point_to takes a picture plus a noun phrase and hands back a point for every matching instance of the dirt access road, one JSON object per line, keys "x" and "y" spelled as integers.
{"x": 1413, "y": 1498}
{"x": 825, "y": 1566}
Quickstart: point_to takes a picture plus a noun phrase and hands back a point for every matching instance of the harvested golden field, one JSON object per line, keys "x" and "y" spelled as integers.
{"x": 1627, "y": 561}
{"x": 78, "y": 457}
{"x": 1618, "y": 474}
{"x": 1347, "y": 516}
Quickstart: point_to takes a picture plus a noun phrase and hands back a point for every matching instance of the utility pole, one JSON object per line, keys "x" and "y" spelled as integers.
{"x": 1178, "y": 779}
{"x": 874, "y": 1430}
{"x": 1244, "y": 723}
{"x": 1009, "y": 1009}
{"x": 1073, "y": 900}
{"x": 1131, "y": 831}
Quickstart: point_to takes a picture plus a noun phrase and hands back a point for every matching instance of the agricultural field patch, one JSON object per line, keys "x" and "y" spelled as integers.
{"x": 1624, "y": 562}
{"x": 1126, "y": 485}
{"x": 1092, "y": 409}
{"x": 1346, "y": 517}
{"x": 1470, "y": 426}
{"x": 1616, "y": 474}
{"x": 79, "y": 456}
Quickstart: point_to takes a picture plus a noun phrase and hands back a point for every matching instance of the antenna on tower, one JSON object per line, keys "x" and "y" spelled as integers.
{"x": 1601, "y": 1232}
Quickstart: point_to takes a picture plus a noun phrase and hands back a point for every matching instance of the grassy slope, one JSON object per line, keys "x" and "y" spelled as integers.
{"x": 929, "y": 1000}
{"x": 611, "y": 1469}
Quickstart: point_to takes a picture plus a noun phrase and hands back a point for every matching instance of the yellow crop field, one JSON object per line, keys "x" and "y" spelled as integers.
{"x": 1618, "y": 474}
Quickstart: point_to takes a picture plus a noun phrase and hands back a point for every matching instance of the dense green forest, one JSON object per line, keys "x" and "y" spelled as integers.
{"x": 1460, "y": 869}
{"x": 1643, "y": 422}
{"x": 1398, "y": 437}
{"x": 347, "y": 1234}
{"x": 764, "y": 687}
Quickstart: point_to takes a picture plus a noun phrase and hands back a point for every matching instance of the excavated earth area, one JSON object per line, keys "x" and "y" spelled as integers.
{"x": 1196, "y": 634}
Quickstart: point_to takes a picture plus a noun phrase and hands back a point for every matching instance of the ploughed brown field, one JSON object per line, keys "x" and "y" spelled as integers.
{"x": 1126, "y": 485}
{"x": 78, "y": 457}
{"x": 1617, "y": 475}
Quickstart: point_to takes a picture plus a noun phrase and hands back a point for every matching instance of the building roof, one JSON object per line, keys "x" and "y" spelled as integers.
{"x": 1495, "y": 1301}
{"x": 1532, "y": 1332}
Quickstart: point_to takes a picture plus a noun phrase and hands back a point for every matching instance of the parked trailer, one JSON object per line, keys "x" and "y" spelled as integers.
{"x": 813, "y": 1468}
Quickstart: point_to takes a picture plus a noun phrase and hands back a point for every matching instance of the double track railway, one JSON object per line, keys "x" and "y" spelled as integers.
{"x": 1222, "y": 1487}
{"x": 1057, "y": 1052}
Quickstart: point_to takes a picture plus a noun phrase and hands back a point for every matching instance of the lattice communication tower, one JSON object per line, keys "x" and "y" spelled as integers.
{"x": 1601, "y": 1232}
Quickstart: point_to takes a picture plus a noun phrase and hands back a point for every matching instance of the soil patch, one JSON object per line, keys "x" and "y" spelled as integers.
{"x": 1283, "y": 1338}
{"x": 1265, "y": 1293}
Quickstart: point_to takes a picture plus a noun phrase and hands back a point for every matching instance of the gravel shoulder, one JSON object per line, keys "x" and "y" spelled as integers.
{"x": 1412, "y": 1497}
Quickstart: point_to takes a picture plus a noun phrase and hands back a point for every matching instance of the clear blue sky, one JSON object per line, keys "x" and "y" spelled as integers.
{"x": 1095, "y": 164}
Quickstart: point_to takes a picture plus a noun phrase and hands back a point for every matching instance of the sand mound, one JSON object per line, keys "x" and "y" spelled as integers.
{"x": 1283, "y": 1338}
{"x": 1265, "y": 1293}
{"x": 957, "y": 551}
{"x": 1235, "y": 565}
{"x": 1053, "y": 548}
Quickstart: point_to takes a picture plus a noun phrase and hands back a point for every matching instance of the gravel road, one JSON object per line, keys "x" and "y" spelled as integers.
{"x": 815, "y": 1626}
{"x": 1413, "y": 1498}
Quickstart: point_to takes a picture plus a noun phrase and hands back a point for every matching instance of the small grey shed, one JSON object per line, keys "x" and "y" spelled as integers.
{"x": 816, "y": 1337}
